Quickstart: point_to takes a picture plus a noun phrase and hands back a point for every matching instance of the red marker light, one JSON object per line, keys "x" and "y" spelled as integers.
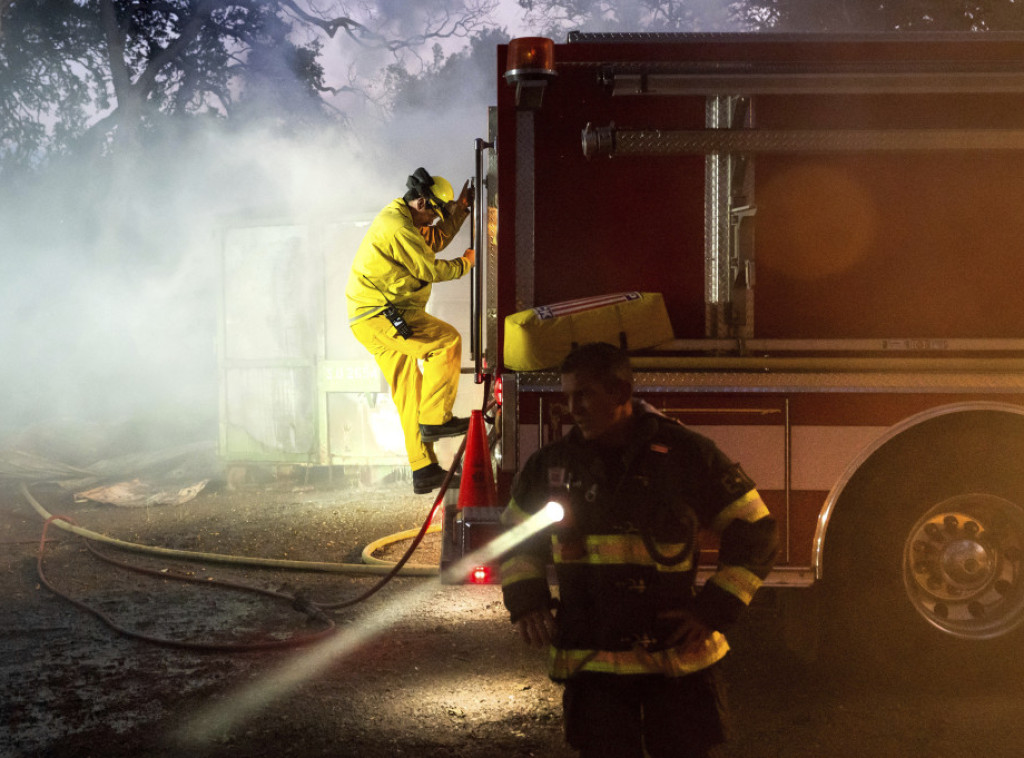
{"x": 480, "y": 575}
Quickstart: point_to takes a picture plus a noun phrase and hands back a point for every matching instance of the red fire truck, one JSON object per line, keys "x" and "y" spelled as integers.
{"x": 835, "y": 226}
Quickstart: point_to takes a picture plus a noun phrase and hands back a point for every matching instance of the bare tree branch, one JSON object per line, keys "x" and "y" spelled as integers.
{"x": 188, "y": 35}
{"x": 363, "y": 35}
{"x": 330, "y": 26}
{"x": 104, "y": 71}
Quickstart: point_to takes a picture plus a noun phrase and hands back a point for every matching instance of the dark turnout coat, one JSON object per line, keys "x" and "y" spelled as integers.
{"x": 626, "y": 552}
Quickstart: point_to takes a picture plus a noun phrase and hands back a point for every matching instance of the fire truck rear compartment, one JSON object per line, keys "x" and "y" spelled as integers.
{"x": 833, "y": 224}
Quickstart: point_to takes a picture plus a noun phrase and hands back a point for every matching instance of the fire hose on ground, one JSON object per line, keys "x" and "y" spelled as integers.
{"x": 314, "y": 609}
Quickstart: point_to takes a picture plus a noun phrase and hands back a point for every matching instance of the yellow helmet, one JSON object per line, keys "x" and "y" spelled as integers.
{"x": 442, "y": 190}
{"x": 436, "y": 190}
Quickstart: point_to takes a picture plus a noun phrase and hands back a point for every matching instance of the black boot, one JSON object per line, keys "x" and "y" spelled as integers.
{"x": 453, "y": 427}
{"x": 427, "y": 479}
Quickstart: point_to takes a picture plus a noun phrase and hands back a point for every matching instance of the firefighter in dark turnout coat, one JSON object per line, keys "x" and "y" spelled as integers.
{"x": 632, "y": 639}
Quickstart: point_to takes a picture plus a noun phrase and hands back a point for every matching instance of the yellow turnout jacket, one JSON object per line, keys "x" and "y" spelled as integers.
{"x": 397, "y": 261}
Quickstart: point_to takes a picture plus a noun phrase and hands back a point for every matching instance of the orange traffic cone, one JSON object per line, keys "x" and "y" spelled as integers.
{"x": 477, "y": 489}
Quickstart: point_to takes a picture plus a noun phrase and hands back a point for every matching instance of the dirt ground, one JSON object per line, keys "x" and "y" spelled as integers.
{"x": 417, "y": 669}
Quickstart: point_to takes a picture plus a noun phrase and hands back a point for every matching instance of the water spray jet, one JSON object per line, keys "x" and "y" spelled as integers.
{"x": 217, "y": 721}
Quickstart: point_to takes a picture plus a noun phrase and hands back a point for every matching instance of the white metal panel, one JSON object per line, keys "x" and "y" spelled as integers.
{"x": 820, "y": 454}
{"x": 760, "y": 449}
{"x": 271, "y": 294}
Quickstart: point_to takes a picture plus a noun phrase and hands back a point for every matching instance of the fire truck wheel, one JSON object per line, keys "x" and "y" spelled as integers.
{"x": 963, "y": 565}
{"x": 924, "y": 572}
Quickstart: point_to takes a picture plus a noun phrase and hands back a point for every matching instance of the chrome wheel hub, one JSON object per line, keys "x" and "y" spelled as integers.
{"x": 963, "y": 565}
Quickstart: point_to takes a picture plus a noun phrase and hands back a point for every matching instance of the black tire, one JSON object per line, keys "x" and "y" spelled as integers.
{"x": 924, "y": 558}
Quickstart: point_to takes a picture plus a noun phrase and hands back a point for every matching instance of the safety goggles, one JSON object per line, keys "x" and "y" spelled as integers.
{"x": 435, "y": 204}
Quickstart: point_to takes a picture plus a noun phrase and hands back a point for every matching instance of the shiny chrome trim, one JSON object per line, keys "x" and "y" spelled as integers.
{"x": 792, "y": 81}
{"x": 614, "y": 141}
{"x": 752, "y": 381}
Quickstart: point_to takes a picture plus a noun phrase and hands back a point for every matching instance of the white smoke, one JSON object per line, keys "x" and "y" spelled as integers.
{"x": 109, "y": 287}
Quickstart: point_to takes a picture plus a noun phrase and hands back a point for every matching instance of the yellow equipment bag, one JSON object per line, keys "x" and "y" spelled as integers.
{"x": 539, "y": 338}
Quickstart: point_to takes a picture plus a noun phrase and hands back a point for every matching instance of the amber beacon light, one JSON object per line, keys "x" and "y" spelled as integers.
{"x": 530, "y": 66}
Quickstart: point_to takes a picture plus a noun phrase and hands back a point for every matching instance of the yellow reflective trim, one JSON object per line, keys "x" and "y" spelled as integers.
{"x": 737, "y": 581}
{"x": 521, "y": 568}
{"x": 750, "y": 508}
{"x": 671, "y": 662}
{"x": 620, "y": 549}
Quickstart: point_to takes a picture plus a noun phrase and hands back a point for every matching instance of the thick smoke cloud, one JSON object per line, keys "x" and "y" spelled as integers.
{"x": 109, "y": 287}
{"x": 110, "y": 281}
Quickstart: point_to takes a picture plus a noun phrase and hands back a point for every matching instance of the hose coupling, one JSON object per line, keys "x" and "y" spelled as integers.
{"x": 303, "y": 604}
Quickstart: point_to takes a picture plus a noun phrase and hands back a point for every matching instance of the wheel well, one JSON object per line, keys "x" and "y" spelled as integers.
{"x": 934, "y": 435}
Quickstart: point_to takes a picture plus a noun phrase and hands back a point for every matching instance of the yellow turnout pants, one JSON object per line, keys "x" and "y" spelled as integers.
{"x": 425, "y": 397}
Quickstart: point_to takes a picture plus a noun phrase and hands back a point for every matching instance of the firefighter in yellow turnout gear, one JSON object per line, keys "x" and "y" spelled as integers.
{"x": 387, "y": 293}
{"x": 631, "y": 638}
